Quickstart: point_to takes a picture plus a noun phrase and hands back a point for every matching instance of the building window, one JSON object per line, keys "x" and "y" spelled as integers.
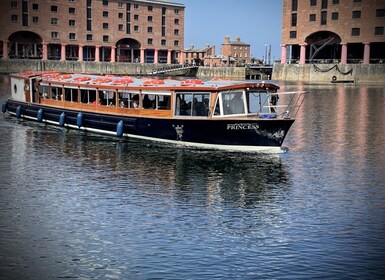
{"x": 313, "y": 2}
{"x": 176, "y": 21}
{"x": 324, "y": 4}
{"x": 294, "y": 19}
{"x": 105, "y": 38}
{"x": 71, "y": 22}
{"x": 120, "y": 4}
{"x": 136, "y": 6}
{"x": 136, "y": 28}
{"x": 356, "y": 1}
{"x": 35, "y": 7}
{"x": 35, "y": 19}
{"x": 149, "y": 18}
{"x": 72, "y": 36}
{"x": 294, "y": 5}
{"x": 324, "y": 17}
{"x": 380, "y": 13}
{"x": 335, "y": 16}
{"x": 89, "y": 25}
{"x": 293, "y": 34}
{"x": 149, "y": 41}
{"x": 89, "y": 37}
{"x": 163, "y": 42}
{"x": 14, "y": 18}
{"x": 54, "y": 8}
{"x": 379, "y": 30}
{"x": 149, "y": 29}
{"x": 14, "y": 4}
{"x": 176, "y": 43}
{"x": 54, "y": 35}
{"x": 105, "y": 2}
{"x": 312, "y": 17}
{"x": 120, "y": 27}
{"x": 356, "y": 14}
{"x": 136, "y": 17}
{"x": 120, "y": 15}
{"x": 163, "y": 31}
{"x": 71, "y": 10}
{"x": 355, "y": 32}
{"x": 176, "y": 32}
{"x": 176, "y": 11}
{"x": 336, "y": 2}
{"x": 54, "y": 21}
{"x": 105, "y": 14}
{"x": 105, "y": 25}
{"x": 150, "y": 8}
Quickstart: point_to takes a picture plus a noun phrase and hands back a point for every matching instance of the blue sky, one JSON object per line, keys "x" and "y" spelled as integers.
{"x": 256, "y": 22}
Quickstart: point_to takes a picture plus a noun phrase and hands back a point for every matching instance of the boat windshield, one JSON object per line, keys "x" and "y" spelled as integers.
{"x": 243, "y": 103}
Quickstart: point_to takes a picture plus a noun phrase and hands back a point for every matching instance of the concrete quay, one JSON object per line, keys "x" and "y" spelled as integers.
{"x": 307, "y": 73}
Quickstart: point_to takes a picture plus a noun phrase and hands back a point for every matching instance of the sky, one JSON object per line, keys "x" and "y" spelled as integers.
{"x": 256, "y": 22}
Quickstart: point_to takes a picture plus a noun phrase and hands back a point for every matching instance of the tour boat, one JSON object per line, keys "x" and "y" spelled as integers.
{"x": 215, "y": 114}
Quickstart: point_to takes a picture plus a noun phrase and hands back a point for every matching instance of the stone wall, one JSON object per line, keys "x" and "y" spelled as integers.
{"x": 236, "y": 73}
{"x": 327, "y": 73}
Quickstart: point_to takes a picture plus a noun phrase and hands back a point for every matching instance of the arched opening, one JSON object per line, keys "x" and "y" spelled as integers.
{"x": 25, "y": 45}
{"x": 324, "y": 47}
{"x": 128, "y": 50}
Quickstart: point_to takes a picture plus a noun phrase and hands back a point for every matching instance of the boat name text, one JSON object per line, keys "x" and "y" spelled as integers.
{"x": 242, "y": 126}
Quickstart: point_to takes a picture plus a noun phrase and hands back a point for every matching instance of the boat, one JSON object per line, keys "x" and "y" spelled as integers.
{"x": 214, "y": 114}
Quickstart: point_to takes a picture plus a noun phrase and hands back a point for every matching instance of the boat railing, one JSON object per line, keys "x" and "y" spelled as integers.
{"x": 293, "y": 101}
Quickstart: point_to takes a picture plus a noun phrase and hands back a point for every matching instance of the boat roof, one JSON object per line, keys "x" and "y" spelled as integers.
{"x": 131, "y": 82}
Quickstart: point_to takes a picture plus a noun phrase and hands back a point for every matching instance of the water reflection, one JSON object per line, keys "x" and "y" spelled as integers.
{"x": 184, "y": 173}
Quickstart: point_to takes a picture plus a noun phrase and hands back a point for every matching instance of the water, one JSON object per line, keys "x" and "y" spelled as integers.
{"x": 81, "y": 206}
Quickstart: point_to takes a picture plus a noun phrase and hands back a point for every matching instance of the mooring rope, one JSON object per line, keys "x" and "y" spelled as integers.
{"x": 317, "y": 69}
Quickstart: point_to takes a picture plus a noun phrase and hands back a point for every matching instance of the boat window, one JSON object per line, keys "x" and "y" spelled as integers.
{"x": 156, "y": 101}
{"x": 71, "y": 94}
{"x": 56, "y": 93}
{"x": 262, "y": 102}
{"x": 43, "y": 91}
{"x": 107, "y": 98}
{"x": 129, "y": 99}
{"x": 88, "y": 96}
{"x": 192, "y": 104}
{"x": 233, "y": 103}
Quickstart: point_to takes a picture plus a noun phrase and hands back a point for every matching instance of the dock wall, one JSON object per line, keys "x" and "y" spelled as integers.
{"x": 327, "y": 73}
{"x": 308, "y": 73}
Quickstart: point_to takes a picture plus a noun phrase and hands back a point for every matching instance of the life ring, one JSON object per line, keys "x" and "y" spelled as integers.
{"x": 82, "y": 78}
{"x": 102, "y": 80}
{"x": 334, "y": 78}
{"x": 64, "y": 77}
{"x": 123, "y": 81}
{"x": 191, "y": 82}
{"x": 153, "y": 82}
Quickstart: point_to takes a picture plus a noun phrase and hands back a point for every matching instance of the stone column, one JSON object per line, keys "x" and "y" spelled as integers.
{"x": 283, "y": 53}
{"x": 168, "y": 56}
{"x": 5, "y": 49}
{"x": 366, "y": 53}
{"x": 344, "y": 53}
{"x": 141, "y": 55}
{"x": 181, "y": 57}
{"x": 113, "y": 54}
{"x": 63, "y": 52}
{"x": 97, "y": 53}
{"x": 80, "y": 53}
{"x": 302, "y": 56}
{"x": 156, "y": 56}
{"x": 45, "y": 50}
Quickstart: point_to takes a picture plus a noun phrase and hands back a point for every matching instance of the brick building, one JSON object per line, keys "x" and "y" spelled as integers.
{"x": 195, "y": 56}
{"x": 145, "y": 31}
{"x": 333, "y": 31}
{"x": 236, "y": 50}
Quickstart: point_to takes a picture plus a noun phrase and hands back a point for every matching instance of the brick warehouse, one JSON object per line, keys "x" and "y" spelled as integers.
{"x": 143, "y": 31}
{"x": 333, "y": 31}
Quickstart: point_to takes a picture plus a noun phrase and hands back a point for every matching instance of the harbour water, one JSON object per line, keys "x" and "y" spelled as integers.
{"x": 82, "y": 206}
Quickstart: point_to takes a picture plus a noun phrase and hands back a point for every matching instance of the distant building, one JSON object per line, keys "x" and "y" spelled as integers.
{"x": 196, "y": 56}
{"x": 145, "y": 31}
{"x": 333, "y": 31}
{"x": 235, "y": 51}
